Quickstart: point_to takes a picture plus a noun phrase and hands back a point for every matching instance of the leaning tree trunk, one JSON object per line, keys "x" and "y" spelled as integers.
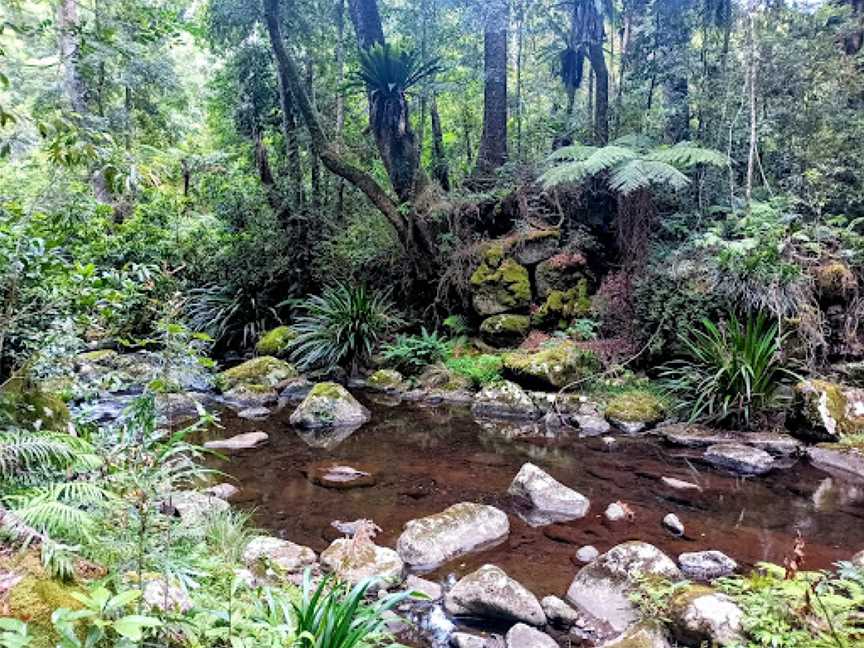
{"x": 493, "y": 144}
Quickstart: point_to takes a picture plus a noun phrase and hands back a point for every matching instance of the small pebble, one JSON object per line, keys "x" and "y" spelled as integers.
{"x": 615, "y": 512}
{"x": 587, "y": 553}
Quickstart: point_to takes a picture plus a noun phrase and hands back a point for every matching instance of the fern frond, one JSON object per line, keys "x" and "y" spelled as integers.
{"x": 26, "y": 451}
{"x": 686, "y": 154}
{"x": 642, "y": 174}
{"x": 572, "y": 152}
{"x": 56, "y": 519}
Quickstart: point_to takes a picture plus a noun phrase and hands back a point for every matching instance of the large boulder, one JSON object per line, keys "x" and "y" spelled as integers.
{"x": 275, "y": 342}
{"x": 739, "y": 458}
{"x": 500, "y": 284}
{"x": 431, "y": 541}
{"x": 265, "y": 553}
{"x": 532, "y": 246}
{"x": 504, "y": 400}
{"x": 554, "y": 365}
{"x": 353, "y": 561}
{"x": 264, "y": 371}
{"x": 821, "y": 412}
{"x": 524, "y": 636}
{"x": 489, "y": 592}
{"x": 505, "y": 330}
{"x": 560, "y": 272}
{"x": 329, "y": 404}
{"x": 106, "y": 369}
{"x": 700, "y": 616}
{"x": 550, "y": 500}
{"x": 603, "y": 587}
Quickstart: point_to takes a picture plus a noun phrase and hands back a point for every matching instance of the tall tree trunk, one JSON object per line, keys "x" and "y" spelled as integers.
{"x": 520, "y": 35}
{"x": 340, "y": 98}
{"x": 292, "y": 147}
{"x": 466, "y": 136}
{"x": 855, "y": 41}
{"x": 601, "y": 92}
{"x": 367, "y": 22}
{"x": 440, "y": 169}
{"x": 751, "y": 86}
{"x": 676, "y": 90}
{"x": 73, "y": 83}
{"x": 493, "y": 144}
{"x": 315, "y": 163}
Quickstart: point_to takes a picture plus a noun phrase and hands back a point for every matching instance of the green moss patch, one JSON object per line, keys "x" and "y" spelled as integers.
{"x": 275, "y": 341}
{"x": 563, "y": 306}
{"x": 636, "y": 406}
{"x": 554, "y": 365}
{"x": 505, "y": 330}
{"x": 265, "y": 370}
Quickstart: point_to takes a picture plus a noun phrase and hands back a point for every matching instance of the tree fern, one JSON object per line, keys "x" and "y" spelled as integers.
{"x": 31, "y": 452}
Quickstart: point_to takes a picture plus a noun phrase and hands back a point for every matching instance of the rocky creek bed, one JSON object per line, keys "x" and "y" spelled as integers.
{"x": 411, "y": 460}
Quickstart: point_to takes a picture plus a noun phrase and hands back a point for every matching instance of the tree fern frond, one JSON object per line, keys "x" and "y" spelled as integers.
{"x": 686, "y": 154}
{"x": 634, "y": 141}
{"x": 56, "y": 519}
{"x": 25, "y": 451}
{"x": 572, "y": 152}
{"x": 642, "y": 174}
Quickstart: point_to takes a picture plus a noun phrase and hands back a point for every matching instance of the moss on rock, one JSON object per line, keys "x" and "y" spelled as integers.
{"x": 500, "y": 285}
{"x": 264, "y": 370}
{"x": 636, "y": 406}
{"x": 560, "y": 272}
{"x": 275, "y": 341}
{"x": 30, "y": 406}
{"x": 505, "y": 330}
{"x": 563, "y": 306}
{"x": 820, "y": 412}
{"x": 386, "y": 379}
{"x": 329, "y": 404}
{"x": 553, "y": 365}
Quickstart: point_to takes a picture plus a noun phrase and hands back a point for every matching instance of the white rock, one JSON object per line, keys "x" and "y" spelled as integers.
{"x": 558, "y": 613}
{"x": 353, "y": 564}
{"x": 223, "y": 491}
{"x": 587, "y": 553}
{"x": 673, "y": 524}
{"x": 551, "y": 500}
{"x": 739, "y": 458}
{"x": 523, "y": 636}
{"x": 329, "y": 404}
{"x": 285, "y": 557}
{"x": 615, "y": 512}
{"x": 680, "y": 484}
{"x": 489, "y": 592}
{"x": 238, "y": 442}
{"x": 706, "y": 565}
{"x": 166, "y": 597}
{"x": 709, "y": 619}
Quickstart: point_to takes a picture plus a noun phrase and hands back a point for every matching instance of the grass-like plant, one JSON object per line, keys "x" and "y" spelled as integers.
{"x": 341, "y": 327}
{"x": 334, "y": 616}
{"x": 729, "y": 372}
{"x": 410, "y": 353}
{"x": 481, "y": 369}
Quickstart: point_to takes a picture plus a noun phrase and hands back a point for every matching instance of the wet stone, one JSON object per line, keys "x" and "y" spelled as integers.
{"x": 673, "y": 525}
{"x": 739, "y": 458}
{"x": 844, "y": 462}
{"x": 706, "y": 565}
{"x": 587, "y": 553}
{"x": 254, "y": 413}
{"x": 680, "y": 484}
{"x": 558, "y": 613}
{"x": 238, "y": 442}
{"x": 466, "y": 640}
{"x": 339, "y": 476}
{"x": 551, "y": 501}
{"x": 491, "y": 593}
{"x": 523, "y": 636}
{"x": 223, "y": 491}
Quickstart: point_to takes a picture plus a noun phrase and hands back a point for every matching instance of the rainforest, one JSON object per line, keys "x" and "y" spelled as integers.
{"x": 432, "y": 323}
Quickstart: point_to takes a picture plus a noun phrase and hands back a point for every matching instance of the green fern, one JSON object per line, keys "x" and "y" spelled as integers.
{"x": 631, "y": 164}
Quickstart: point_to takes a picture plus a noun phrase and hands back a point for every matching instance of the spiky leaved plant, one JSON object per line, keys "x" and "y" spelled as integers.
{"x": 729, "y": 372}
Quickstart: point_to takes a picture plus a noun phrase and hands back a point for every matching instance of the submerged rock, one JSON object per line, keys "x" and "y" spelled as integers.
{"x": 706, "y": 565}
{"x": 239, "y": 441}
{"x": 490, "y": 593}
{"x": 680, "y": 484}
{"x": 846, "y": 463}
{"x": 505, "y": 330}
{"x": 551, "y": 501}
{"x": 352, "y": 561}
{"x": 265, "y": 553}
{"x": 523, "y": 636}
{"x": 602, "y": 588}
{"x": 504, "y": 400}
{"x": 554, "y": 365}
{"x": 692, "y": 435}
{"x": 254, "y": 413}
{"x": 466, "y": 640}
{"x": 329, "y": 405}
{"x": 326, "y": 438}
{"x": 431, "y": 541}
{"x": 701, "y": 616}
{"x": 330, "y": 474}
{"x": 739, "y": 458}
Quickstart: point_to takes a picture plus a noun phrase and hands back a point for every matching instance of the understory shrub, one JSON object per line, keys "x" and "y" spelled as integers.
{"x": 480, "y": 369}
{"x": 729, "y": 372}
{"x": 410, "y": 353}
{"x": 341, "y": 327}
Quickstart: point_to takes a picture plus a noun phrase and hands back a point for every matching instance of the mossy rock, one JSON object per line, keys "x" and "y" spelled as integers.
{"x": 103, "y": 357}
{"x": 275, "y": 341}
{"x": 505, "y": 330}
{"x": 533, "y": 246}
{"x": 561, "y": 272}
{"x": 820, "y": 412}
{"x": 264, "y": 370}
{"x": 29, "y": 406}
{"x": 553, "y": 365}
{"x": 386, "y": 380}
{"x": 500, "y": 285}
{"x": 443, "y": 378}
{"x": 329, "y": 404}
{"x": 835, "y": 281}
{"x": 562, "y": 307}
{"x": 636, "y": 406}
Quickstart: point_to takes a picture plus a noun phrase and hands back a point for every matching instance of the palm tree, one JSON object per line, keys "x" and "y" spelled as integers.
{"x": 633, "y": 169}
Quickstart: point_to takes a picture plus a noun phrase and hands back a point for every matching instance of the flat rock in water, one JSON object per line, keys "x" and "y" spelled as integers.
{"x": 223, "y": 491}
{"x": 505, "y": 400}
{"x": 847, "y": 463}
{"x": 238, "y": 442}
{"x": 739, "y": 458}
{"x": 266, "y": 552}
{"x": 551, "y": 501}
{"x": 602, "y": 588}
{"x": 773, "y": 442}
{"x": 691, "y": 435}
{"x": 680, "y": 484}
{"x": 706, "y": 565}
{"x": 591, "y": 425}
{"x": 339, "y": 476}
{"x": 431, "y": 541}
{"x": 254, "y": 413}
{"x": 523, "y": 636}
{"x": 466, "y": 640}
{"x": 487, "y": 459}
{"x": 354, "y": 561}
{"x": 491, "y": 593}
